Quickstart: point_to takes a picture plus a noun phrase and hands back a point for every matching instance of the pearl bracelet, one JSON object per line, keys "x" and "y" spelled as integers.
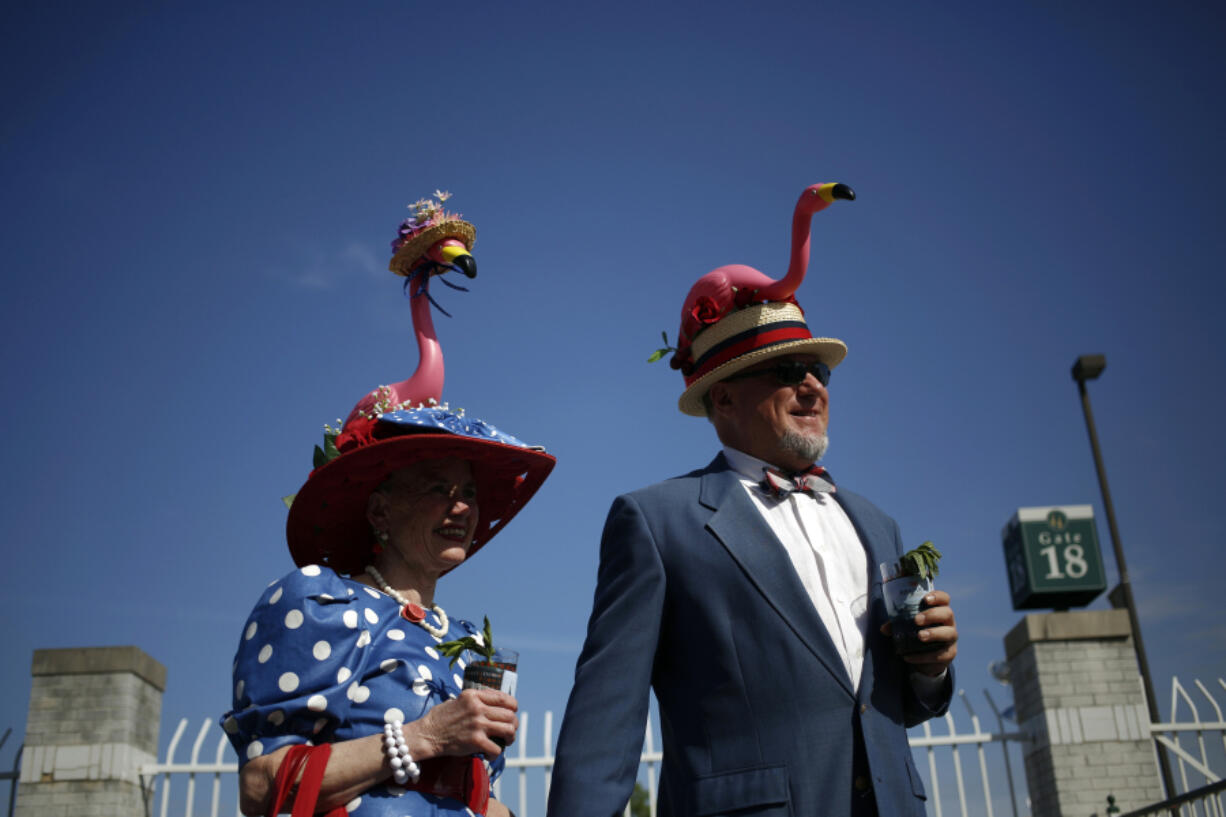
{"x": 404, "y": 770}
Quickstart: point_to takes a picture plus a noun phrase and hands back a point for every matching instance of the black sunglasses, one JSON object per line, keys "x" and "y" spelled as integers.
{"x": 789, "y": 372}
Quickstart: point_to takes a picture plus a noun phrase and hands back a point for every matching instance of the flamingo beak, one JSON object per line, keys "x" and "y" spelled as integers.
{"x": 830, "y": 192}
{"x": 461, "y": 258}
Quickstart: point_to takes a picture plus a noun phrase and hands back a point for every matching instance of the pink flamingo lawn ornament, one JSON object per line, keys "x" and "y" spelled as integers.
{"x": 736, "y": 285}
{"x": 431, "y": 243}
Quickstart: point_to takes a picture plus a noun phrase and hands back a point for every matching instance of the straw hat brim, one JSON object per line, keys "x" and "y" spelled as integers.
{"x": 411, "y": 251}
{"x": 327, "y": 521}
{"x": 830, "y": 351}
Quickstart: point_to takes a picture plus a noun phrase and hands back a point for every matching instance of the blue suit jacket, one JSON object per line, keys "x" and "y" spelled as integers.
{"x": 697, "y": 598}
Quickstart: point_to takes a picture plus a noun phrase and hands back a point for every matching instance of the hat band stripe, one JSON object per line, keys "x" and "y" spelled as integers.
{"x": 759, "y": 337}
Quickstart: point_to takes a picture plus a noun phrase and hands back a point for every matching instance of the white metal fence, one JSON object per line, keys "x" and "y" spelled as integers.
{"x": 1196, "y": 748}
{"x": 202, "y": 779}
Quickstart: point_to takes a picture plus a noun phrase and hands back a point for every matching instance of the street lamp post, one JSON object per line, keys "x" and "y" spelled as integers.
{"x": 1089, "y": 367}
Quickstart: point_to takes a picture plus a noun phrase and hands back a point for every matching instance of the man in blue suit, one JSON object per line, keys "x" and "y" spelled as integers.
{"x": 747, "y": 595}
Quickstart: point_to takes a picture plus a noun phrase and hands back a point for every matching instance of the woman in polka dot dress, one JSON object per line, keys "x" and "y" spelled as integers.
{"x": 343, "y": 649}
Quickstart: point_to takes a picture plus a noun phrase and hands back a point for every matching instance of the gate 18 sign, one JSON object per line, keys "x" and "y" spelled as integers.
{"x": 1053, "y": 558}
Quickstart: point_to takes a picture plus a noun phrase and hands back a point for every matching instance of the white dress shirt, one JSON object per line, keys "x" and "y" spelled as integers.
{"x": 830, "y": 560}
{"x": 826, "y": 552}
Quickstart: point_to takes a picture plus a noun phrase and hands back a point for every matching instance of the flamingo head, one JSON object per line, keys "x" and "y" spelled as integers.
{"x": 451, "y": 253}
{"x": 433, "y": 234}
{"x": 817, "y": 197}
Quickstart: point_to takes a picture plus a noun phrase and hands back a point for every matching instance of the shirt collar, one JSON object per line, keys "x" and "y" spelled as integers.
{"x": 747, "y": 465}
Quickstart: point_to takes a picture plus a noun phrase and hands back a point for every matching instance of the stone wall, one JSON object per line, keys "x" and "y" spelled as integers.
{"x": 1079, "y": 699}
{"x": 93, "y": 720}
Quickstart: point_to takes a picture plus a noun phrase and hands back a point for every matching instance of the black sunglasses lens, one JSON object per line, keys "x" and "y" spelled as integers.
{"x": 792, "y": 372}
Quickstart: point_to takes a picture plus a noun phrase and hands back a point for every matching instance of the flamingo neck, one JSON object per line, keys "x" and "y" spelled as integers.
{"x": 427, "y": 381}
{"x": 797, "y": 264}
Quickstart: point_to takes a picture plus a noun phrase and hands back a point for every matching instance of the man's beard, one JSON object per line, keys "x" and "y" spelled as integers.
{"x": 810, "y": 447}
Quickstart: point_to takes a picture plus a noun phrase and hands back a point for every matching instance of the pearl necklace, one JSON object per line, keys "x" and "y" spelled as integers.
{"x": 411, "y": 611}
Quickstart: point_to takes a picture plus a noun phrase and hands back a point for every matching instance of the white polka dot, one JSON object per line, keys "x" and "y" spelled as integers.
{"x": 433, "y": 653}
{"x": 231, "y": 726}
{"x": 349, "y": 590}
{"x": 364, "y": 638}
{"x": 421, "y": 688}
{"x": 310, "y": 570}
{"x": 461, "y": 664}
{"x": 321, "y": 650}
{"x": 276, "y": 595}
{"x": 458, "y": 681}
{"x": 358, "y": 693}
{"x": 374, "y": 594}
{"x": 238, "y": 689}
{"x": 319, "y": 725}
{"x": 353, "y": 804}
{"x": 389, "y": 665}
{"x": 325, "y": 597}
{"x": 394, "y": 790}
{"x": 317, "y": 703}
{"x": 276, "y": 717}
{"x": 396, "y": 634}
{"x": 254, "y": 749}
{"x": 423, "y": 672}
{"x": 288, "y": 682}
{"x": 350, "y": 617}
{"x": 265, "y": 654}
{"x": 392, "y": 715}
{"x": 370, "y": 616}
{"x": 293, "y": 619}
{"x": 342, "y": 675}
{"x": 250, "y": 634}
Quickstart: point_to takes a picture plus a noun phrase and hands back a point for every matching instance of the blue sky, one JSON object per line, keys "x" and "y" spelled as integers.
{"x": 197, "y": 202}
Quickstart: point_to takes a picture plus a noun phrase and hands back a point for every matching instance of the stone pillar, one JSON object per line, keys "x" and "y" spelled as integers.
{"x": 93, "y": 721}
{"x": 1079, "y": 699}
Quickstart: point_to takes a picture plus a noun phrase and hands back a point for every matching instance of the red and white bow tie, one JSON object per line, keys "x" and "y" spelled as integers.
{"x": 814, "y": 481}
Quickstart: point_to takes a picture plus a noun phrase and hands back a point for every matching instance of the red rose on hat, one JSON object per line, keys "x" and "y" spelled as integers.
{"x": 706, "y": 311}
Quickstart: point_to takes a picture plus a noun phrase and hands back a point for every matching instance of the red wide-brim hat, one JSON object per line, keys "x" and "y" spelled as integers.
{"x": 327, "y": 522}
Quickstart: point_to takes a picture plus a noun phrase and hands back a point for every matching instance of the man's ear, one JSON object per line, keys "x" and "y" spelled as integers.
{"x": 722, "y": 399}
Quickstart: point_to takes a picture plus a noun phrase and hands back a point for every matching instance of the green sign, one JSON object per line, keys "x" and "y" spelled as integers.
{"x": 1053, "y": 557}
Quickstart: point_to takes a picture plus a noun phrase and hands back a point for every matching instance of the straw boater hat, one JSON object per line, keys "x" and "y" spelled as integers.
{"x": 327, "y": 522}
{"x": 745, "y": 337}
{"x": 735, "y": 317}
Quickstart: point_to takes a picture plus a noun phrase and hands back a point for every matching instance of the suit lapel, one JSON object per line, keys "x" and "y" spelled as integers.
{"x": 748, "y": 538}
{"x": 876, "y": 541}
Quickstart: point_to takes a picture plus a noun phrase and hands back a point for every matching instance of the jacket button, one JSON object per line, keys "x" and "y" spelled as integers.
{"x": 863, "y": 708}
{"x": 861, "y": 783}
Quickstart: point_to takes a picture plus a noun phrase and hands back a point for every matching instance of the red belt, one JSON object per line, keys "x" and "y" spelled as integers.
{"x": 460, "y": 778}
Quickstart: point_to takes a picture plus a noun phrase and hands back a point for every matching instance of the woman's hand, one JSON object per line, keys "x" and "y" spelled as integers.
{"x": 462, "y": 726}
{"x": 465, "y": 725}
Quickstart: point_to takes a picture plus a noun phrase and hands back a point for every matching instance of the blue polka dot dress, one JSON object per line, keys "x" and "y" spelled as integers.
{"x": 326, "y": 659}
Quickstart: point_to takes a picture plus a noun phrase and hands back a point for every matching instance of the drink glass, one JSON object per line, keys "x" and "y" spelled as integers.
{"x": 904, "y": 598}
{"x": 499, "y": 672}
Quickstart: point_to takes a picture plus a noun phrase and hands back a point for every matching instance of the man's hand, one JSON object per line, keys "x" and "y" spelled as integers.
{"x": 938, "y": 632}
